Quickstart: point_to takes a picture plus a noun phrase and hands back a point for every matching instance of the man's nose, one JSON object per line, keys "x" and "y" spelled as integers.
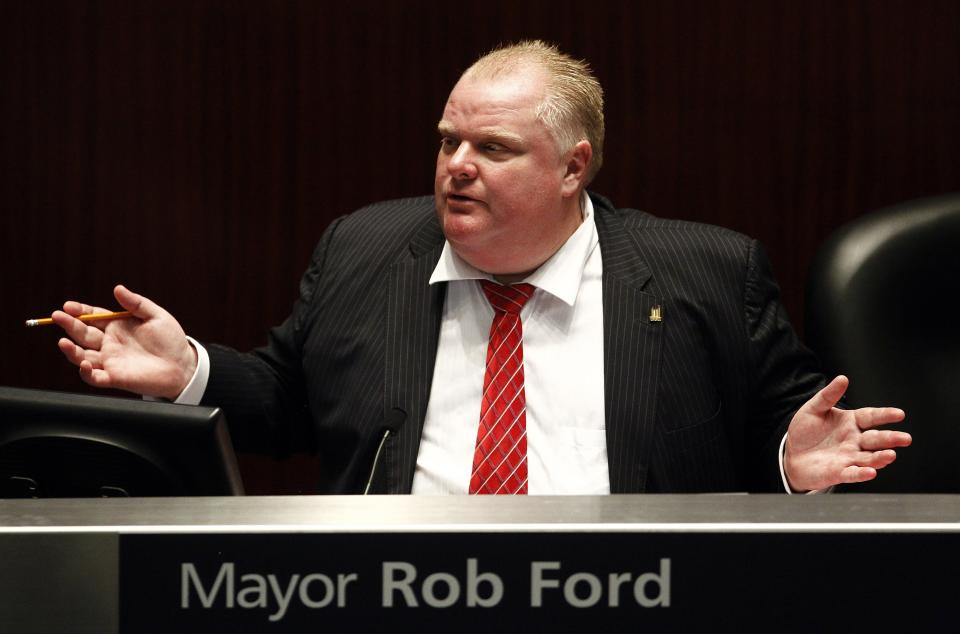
{"x": 461, "y": 164}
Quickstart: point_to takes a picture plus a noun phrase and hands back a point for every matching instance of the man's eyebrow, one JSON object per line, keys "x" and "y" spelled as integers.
{"x": 500, "y": 135}
{"x": 445, "y": 128}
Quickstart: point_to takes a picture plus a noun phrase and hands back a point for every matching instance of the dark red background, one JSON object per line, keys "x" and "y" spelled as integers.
{"x": 195, "y": 150}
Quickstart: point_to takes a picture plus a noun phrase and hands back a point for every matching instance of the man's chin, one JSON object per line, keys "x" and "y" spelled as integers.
{"x": 460, "y": 229}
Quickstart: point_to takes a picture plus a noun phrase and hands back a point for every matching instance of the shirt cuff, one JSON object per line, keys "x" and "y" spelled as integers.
{"x": 193, "y": 393}
{"x": 783, "y": 474}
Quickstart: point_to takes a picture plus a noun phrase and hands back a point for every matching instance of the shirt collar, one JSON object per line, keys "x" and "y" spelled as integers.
{"x": 560, "y": 275}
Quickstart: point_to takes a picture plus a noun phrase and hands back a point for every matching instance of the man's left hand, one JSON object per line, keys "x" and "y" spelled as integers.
{"x": 827, "y": 446}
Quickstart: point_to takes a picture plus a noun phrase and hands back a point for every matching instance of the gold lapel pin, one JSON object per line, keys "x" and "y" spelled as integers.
{"x": 655, "y": 315}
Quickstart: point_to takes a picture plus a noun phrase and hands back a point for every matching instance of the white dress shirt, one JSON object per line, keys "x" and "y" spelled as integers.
{"x": 563, "y": 373}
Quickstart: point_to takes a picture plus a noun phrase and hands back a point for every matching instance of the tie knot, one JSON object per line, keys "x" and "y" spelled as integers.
{"x": 507, "y": 299}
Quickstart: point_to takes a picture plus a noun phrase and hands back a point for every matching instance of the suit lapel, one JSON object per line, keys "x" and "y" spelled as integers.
{"x": 414, "y": 309}
{"x": 632, "y": 347}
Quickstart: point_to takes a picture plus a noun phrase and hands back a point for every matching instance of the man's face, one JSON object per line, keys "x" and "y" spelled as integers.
{"x": 500, "y": 189}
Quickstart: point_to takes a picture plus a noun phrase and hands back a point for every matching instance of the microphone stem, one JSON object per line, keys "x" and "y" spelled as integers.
{"x": 376, "y": 459}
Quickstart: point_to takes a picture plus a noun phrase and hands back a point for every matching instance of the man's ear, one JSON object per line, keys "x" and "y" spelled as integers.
{"x": 577, "y": 164}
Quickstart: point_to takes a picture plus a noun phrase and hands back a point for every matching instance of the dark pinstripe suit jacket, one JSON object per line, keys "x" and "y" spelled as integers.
{"x": 696, "y": 402}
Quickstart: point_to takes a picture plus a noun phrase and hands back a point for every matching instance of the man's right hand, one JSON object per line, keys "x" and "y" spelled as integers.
{"x": 147, "y": 354}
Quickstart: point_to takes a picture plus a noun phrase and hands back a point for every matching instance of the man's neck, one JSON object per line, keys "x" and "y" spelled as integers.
{"x": 513, "y": 278}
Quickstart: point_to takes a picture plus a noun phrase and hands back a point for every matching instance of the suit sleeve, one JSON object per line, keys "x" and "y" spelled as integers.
{"x": 783, "y": 371}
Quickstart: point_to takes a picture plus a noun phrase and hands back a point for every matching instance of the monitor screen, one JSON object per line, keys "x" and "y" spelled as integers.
{"x": 58, "y": 444}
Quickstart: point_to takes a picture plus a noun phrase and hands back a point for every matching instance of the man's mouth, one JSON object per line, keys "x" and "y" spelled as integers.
{"x": 460, "y": 198}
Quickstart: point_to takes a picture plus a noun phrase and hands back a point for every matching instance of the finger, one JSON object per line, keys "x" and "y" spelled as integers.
{"x": 853, "y": 474}
{"x": 824, "y": 400}
{"x": 876, "y": 439}
{"x": 139, "y": 305}
{"x": 76, "y": 309}
{"x": 94, "y": 376}
{"x": 77, "y": 355}
{"x": 876, "y": 459}
{"x": 71, "y": 351}
{"x": 86, "y": 336}
{"x": 868, "y": 417}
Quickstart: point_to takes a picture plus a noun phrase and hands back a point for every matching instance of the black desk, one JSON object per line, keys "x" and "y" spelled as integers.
{"x": 411, "y": 564}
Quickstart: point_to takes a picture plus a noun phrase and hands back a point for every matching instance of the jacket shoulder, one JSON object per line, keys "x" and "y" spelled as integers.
{"x": 383, "y": 228}
{"x": 673, "y": 234}
{"x": 389, "y": 216}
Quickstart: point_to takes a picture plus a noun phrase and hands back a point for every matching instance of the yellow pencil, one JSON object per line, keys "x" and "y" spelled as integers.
{"x": 46, "y": 321}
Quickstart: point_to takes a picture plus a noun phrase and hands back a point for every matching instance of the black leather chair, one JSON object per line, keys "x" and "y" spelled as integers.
{"x": 882, "y": 307}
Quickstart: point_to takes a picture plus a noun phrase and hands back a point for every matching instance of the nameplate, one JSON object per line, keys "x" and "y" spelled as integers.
{"x": 523, "y": 581}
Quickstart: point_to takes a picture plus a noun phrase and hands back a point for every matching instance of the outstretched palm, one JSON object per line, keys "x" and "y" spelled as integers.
{"x": 828, "y": 446}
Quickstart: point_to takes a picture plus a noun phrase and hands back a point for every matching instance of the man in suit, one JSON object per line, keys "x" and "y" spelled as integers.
{"x": 648, "y": 356}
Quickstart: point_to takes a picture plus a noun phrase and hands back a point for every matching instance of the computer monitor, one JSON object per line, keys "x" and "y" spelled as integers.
{"x": 58, "y": 444}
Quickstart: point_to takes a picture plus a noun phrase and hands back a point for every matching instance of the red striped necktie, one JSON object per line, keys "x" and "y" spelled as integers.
{"x": 500, "y": 460}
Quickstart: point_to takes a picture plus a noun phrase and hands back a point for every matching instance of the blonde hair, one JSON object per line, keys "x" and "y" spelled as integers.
{"x": 572, "y": 109}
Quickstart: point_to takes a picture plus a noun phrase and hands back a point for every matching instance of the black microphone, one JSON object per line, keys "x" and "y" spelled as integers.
{"x": 392, "y": 423}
